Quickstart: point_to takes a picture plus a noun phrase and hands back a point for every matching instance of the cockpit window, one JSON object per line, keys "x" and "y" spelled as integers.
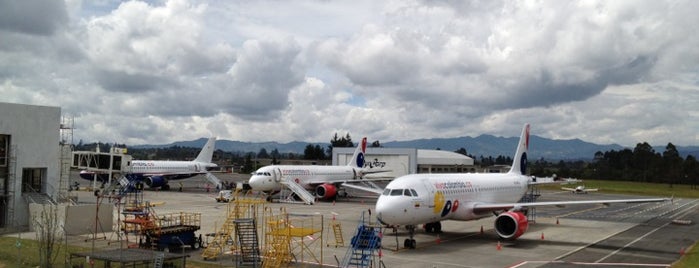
{"x": 414, "y": 192}
{"x": 406, "y": 192}
{"x": 397, "y": 192}
{"x": 387, "y": 191}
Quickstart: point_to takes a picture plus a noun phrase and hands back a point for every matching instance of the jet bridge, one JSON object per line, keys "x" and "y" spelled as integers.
{"x": 108, "y": 163}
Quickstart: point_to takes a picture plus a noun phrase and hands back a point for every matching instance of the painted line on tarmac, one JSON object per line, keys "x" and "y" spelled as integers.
{"x": 685, "y": 211}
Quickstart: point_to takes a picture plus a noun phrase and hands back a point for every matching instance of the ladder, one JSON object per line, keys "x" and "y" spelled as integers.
{"x": 159, "y": 259}
{"x": 246, "y": 230}
{"x": 337, "y": 231}
{"x": 218, "y": 244}
{"x": 307, "y": 197}
{"x": 213, "y": 179}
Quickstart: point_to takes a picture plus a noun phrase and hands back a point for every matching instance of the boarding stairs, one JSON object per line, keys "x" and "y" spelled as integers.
{"x": 214, "y": 180}
{"x": 297, "y": 189}
{"x": 246, "y": 230}
{"x": 364, "y": 246}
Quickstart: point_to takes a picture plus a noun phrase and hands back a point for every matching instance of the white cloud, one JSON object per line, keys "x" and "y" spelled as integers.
{"x": 160, "y": 71}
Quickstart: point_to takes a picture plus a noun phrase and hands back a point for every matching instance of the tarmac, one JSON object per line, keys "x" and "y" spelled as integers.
{"x": 619, "y": 235}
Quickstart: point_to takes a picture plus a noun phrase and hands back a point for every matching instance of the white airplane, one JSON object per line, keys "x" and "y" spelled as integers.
{"x": 157, "y": 173}
{"x": 427, "y": 199}
{"x": 325, "y": 181}
{"x": 580, "y": 189}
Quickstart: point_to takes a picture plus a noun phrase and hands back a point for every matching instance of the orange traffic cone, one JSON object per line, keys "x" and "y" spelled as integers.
{"x": 481, "y": 229}
{"x": 556, "y": 220}
{"x": 439, "y": 240}
{"x": 499, "y": 246}
{"x": 682, "y": 252}
{"x": 542, "y": 236}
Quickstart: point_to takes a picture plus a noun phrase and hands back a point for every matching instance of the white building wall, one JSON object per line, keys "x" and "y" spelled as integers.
{"x": 34, "y": 140}
{"x": 398, "y": 161}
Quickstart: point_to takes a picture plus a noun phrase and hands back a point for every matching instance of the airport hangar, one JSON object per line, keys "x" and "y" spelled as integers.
{"x": 35, "y": 160}
{"x": 404, "y": 161}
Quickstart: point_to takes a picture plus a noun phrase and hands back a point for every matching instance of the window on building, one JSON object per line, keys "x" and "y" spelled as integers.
{"x": 4, "y": 144}
{"x": 32, "y": 179}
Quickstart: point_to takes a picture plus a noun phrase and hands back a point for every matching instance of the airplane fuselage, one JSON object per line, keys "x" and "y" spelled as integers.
{"x": 269, "y": 178}
{"x": 439, "y": 197}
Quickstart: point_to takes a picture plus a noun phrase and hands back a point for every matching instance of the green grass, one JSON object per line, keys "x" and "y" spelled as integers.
{"x": 690, "y": 259}
{"x": 636, "y": 188}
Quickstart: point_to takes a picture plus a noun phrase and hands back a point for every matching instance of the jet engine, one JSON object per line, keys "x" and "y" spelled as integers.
{"x": 155, "y": 181}
{"x": 326, "y": 191}
{"x": 510, "y": 225}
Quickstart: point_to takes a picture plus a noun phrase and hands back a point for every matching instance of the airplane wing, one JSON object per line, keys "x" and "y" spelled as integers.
{"x": 484, "y": 207}
{"x": 567, "y": 189}
{"x": 591, "y": 190}
{"x": 363, "y": 188}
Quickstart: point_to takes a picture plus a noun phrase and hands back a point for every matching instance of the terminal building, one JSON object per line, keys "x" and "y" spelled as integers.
{"x": 399, "y": 162}
{"x": 29, "y": 159}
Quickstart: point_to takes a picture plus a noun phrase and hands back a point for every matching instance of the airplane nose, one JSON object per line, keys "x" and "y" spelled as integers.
{"x": 256, "y": 183}
{"x": 383, "y": 214}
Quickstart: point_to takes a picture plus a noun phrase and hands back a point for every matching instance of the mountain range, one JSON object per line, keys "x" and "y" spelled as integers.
{"x": 483, "y": 145}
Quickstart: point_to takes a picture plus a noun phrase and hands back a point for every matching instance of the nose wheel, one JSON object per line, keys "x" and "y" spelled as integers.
{"x": 410, "y": 242}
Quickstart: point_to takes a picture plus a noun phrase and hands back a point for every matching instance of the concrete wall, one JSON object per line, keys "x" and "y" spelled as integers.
{"x": 35, "y": 135}
{"x": 77, "y": 219}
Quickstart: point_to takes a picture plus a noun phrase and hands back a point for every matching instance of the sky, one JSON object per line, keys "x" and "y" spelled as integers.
{"x": 156, "y": 72}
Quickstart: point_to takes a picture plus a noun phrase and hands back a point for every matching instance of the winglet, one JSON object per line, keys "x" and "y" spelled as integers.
{"x": 357, "y": 160}
{"x": 519, "y": 164}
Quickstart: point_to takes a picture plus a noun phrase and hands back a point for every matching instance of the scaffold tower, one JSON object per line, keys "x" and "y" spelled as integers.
{"x": 293, "y": 237}
{"x": 240, "y": 207}
{"x": 66, "y": 158}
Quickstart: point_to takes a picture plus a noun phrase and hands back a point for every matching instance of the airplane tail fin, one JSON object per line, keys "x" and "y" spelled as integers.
{"x": 358, "y": 156}
{"x": 207, "y": 152}
{"x": 519, "y": 163}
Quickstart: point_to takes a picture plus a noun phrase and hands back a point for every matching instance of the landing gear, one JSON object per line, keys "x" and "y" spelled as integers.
{"x": 433, "y": 227}
{"x": 410, "y": 242}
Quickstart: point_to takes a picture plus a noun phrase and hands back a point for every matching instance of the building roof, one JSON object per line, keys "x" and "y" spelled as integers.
{"x": 438, "y": 157}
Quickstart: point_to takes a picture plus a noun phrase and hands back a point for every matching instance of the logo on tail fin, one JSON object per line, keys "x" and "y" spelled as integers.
{"x": 360, "y": 156}
{"x": 523, "y": 159}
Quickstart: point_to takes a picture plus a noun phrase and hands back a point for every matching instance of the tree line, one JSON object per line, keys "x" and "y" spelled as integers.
{"x": 642, "y": 163}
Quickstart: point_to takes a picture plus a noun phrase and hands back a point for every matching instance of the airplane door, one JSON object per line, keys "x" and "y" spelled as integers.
{"x": 277, "y": 174}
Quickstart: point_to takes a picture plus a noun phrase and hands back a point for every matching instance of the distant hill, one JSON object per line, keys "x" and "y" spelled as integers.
{"x": 483, "y": 145}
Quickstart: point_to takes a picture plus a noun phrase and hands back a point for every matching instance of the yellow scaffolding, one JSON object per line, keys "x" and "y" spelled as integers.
{"x": 224, "y": 240}
{"x": 293, "y": 237}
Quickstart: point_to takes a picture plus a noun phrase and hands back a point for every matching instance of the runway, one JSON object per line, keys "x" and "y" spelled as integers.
{"x": 620, "y": 235}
